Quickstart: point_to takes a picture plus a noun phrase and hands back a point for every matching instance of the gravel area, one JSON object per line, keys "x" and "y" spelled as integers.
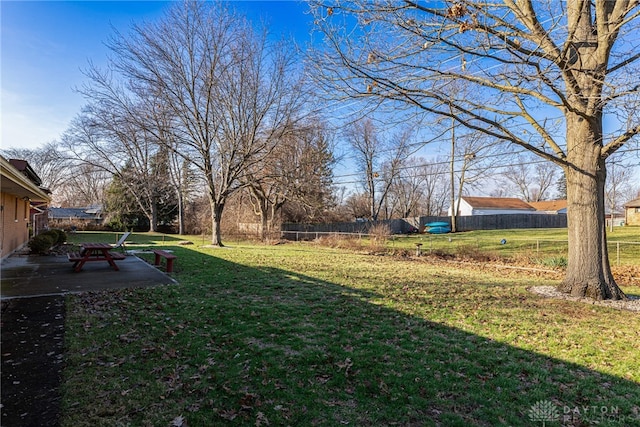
{"x": 632, "y": 304}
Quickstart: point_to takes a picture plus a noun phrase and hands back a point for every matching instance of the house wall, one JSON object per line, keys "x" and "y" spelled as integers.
{"x": 466, "y": 209}
{"x": 503, "y": 212}
{"x": 75, "y": 223}
{"x": 15, "y": 223}
{"x": 632, "y": 216}
{"x": 617, "y": 221}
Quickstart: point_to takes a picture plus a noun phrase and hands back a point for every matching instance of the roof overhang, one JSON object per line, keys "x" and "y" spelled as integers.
{"x": 633, "y": 204}
{"x": 14, "y": 182}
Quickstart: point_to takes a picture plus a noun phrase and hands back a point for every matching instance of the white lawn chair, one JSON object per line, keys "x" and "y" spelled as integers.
{"x": 120, "y": 243}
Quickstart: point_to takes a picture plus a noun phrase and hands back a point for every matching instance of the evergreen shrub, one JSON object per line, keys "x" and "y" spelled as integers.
{"x": 42, "y": 243}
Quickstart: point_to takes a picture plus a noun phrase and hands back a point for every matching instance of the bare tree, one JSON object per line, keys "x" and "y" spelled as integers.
{"x": 297, "y": 173}
{"x": 532, "y": 178}
{"x": 184, "y": 184}
{"x": 107, "y": 135}
{"x": 472, "y": 160}
{"x": 85, "y": 185}
{"x": 50, "y": 163}
{"x": 158, "y": 122}
{"x": 378, "y": 159}
{"x": 230, "y": 89}
{"x": 422, "y": 188}
{"x": 436, "y": 188}
{"x": 366, "y": 145}
{"x": 408, "y": 189}
{"x": 72, "y": 183}
{"x": 358, "y": 206}
{"x": 529, "y": 64}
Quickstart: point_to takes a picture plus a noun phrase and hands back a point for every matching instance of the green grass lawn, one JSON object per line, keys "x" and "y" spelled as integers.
{"x": 302, "y": 335}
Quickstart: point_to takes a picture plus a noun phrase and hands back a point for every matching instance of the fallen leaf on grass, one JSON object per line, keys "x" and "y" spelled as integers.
{"x": 179, "y": 421}
{"x": 249, "y": 400}
{"x": 322, "y": 379}
{"x": 261, "y": 419}
{"x": 346, "y": 365}
{"x": 228, "y": 414}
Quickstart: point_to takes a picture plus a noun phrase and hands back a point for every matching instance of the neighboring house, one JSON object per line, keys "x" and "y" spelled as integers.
{"x": 470, "y": 206}
{"x": 20, "y": 188}
{"x": 615, "y": 219}
{"x": 551, "y": 206}
{"x": 632, "y": 212}
{"x": 79, "y": 218}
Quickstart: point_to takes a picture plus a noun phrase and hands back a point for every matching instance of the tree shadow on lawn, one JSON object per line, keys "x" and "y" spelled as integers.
{"x": 250, "y": 346}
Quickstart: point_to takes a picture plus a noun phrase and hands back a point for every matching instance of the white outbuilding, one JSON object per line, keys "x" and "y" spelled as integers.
{"x": 470, "y": 206}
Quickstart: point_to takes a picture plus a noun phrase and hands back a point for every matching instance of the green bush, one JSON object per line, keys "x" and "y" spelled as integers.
{"x": 41, "y": 244}
{"x": 58, "y": 236}
{"x": 62, "y": 236}
{"x": 115, "y": 225}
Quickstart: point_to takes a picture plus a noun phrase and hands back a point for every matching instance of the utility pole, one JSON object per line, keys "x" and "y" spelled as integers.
{"x": 454, "y": 208}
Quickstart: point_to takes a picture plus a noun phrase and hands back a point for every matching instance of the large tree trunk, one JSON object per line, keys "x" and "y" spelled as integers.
{"x": 180, "y": 212}
{"x": 264, "y": 216}
{"x": 153, "y": 217}
{"x": 264, "y": 225}
{"x": 216, "y": 218}
{"x": 261, "y": 207}
{"x": 588, "y": 272}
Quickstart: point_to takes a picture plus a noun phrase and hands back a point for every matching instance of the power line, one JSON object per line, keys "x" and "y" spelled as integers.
{"x": 471, "y": 169}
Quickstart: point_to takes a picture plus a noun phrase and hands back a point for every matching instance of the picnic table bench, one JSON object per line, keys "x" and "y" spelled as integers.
{"x": 166, "y": 255}
{"x": 94, "y": 252}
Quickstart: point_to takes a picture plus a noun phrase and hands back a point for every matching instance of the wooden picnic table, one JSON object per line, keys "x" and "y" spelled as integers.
{"x": 94, "y": 252}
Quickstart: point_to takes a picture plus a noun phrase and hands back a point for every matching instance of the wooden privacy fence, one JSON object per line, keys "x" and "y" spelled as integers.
{"x": 502, "y": 222}
{"x": 464, "y": 223}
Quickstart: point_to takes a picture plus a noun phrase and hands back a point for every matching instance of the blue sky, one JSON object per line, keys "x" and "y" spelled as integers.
{"x": 46, "y": 44}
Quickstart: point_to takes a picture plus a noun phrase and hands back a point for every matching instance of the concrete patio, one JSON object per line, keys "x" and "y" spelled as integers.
{"x": 30, "y": 276}
{"x": 33, "y": 318}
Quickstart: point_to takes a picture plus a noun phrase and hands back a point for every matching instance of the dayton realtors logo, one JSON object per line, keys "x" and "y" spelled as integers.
{"x": 544, "y": 411}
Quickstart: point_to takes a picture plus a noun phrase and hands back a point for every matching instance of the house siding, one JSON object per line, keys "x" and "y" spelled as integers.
{"x": 473, "y": 206}
{"x": 632, "y": 212}
{"x": 503, "y": 212}
{"x": 15, "y": 223}
{"x": 632, "y": 216}
{"x": 18, "y": 188}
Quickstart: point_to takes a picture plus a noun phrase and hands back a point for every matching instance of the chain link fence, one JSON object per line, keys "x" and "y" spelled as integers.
{"x": 620, "y": 252}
